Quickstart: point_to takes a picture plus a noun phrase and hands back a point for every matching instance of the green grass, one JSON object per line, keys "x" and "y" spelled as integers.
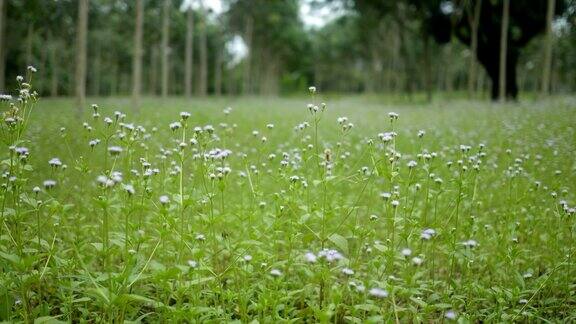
{"x": 82, "y": 251}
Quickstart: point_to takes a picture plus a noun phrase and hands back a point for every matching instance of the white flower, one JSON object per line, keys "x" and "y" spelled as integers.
{"x": 310, "y": 257}
{"x": 32, "y": 69}
{"x": 192, "y": 264}
{"x": 247, "y": 258}
{"x": 412, "y": 164}
{"x": 275, "y": 272}
{"x": 175, "y": 125}
{"x": 395, "y": 203}
{"x": 49, "y": 184}
{"x": 36, "y": 189}
{"x": 427, "y": 234}
{"x": 312, "y": 89}
{"x": 470, "y": 243}
{"x": 417, "y": 261}
{"x": 451, "y": 315}
{"x": 385, "y": 195}
{"x": 393, "y": 115}
{"x": 115, "y": 150}
{"x": 55, "y": 162}
{"x": 330, "y": 255}
{"x": 164, "y": 199}
{"x": 129, "y": 189}
{"x": 348, "y": 271}
{"x": 406, "y": 252}
{"x": 185, "y": 115}
{"x": 378, "y": 293}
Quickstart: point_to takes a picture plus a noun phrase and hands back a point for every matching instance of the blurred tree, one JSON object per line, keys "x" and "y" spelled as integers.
{"x": 165, "y": 46}
{"x": 82, "y": 32}
{"x": 137, "y": 56}
{"x": 527, "y": 18}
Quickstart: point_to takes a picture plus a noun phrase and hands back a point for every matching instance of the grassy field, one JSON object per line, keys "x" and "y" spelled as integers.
{"x": 460, "y": 211}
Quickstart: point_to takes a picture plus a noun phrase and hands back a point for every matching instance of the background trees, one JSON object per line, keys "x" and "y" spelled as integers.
{"x": 261, "y": 47}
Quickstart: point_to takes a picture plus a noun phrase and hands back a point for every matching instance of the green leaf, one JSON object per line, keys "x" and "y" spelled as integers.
{"x": 340, "y": 241}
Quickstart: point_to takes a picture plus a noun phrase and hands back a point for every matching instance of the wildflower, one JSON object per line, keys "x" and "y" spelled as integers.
{"x": 200, "y": 237}
{"x": 185, "y": 115}
{"x": 312, "y": 89}
{"x": 348, "y": 271}
{"x": 32, "y": 69}
{"x": 421, "y": 133}
{"x": 55, "y": 162}
{"x": 49, "y": 184}
{"x": 247, "y": 258}
{"x": 378, "y": 293}
{"x": 275, "y": 272}
{"x": 164, "y": 200}
{"x": 129, "y": 189}
{"x": 406, "y": 252}
{"x": 385, "y": 195}
{"x": 451, "y": 315}
{"x": 417, "y": 261}
{"x": 175, "y": 125}
{"x": 270, "y": 126}
{"x": 19, "y": 78}
{"x": 330, "y": 255}
{"x": 427, "y": 234}
{"x": 310, "y": 257}
{"x": 470, "y": 243}
{"x": 192, "y": 264}
{"x": 36, "y": 189}
{"x": 114, "y": 150}
{"x": 104, "y": 181}
{"x": 412, "y": 164}
{"x": 393, "y": 115}
{"x": 395, "y": 203}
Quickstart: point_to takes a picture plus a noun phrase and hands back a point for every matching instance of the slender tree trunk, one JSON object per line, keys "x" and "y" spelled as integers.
{"x": 218, "y": 72}
{"x": 2, "y": 45}
{"x": 29, "y": 45}
{"x": 189, "y": 59}
{"x": 427, "y": 67}
{"x": 81, "y": 35}
{"x": 203, "y": 84}
{"x": 137, "y": 56}
{"x": 165, "y": 47}
{"x": 548, "y": 49}
{"x": 247, "y": 73}
{"x": 475, "y": 23}
{"x": 154, "y": 70}
{"x": 97, "y": 71}
{"x": 503, "y": 50}
{"x": 54, "y": 68}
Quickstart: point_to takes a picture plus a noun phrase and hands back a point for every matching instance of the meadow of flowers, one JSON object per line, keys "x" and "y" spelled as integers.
{"x": 282, "y": 210}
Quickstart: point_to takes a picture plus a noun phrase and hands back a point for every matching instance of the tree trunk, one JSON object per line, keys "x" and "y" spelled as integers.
{"x": 475, "y": 23}
{"x": 247, "y": 73}
{"x": 503, "y": 51}
{"x": 81, "y": 34}
{"x": 54, "y": 67}
{"x": 154, "y": 70}
{"x": 137, "y": 57}
{"x": 427, "y": 67}
{"x": 203, "y": 84}
{"x": 189, "y": 64}
{"x": 97, "y": 71}
{"x": 165, "y": 47}
{"x": 218, "y": 72}
{"x": 2, "y": 45}
{"x": 29, "y": 45}
{"x": 548, "y": 49}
